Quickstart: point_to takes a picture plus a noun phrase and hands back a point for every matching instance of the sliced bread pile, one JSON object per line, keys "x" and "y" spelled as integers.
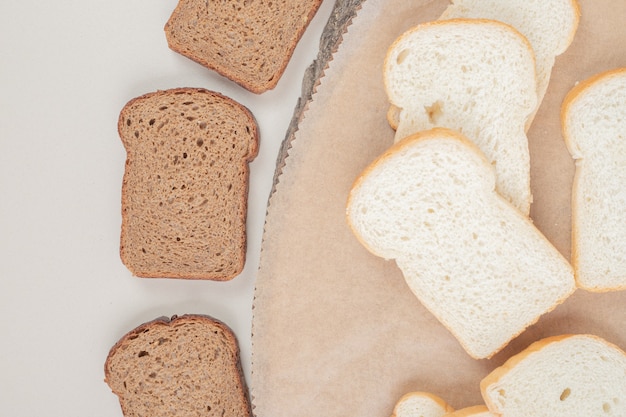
{"x": 479, "y": 265}
{"x": 179, "y": 367}
{"x": 185, "y": 186}
{"x": 594, "y": 129}
{"x": 450, "y": 201}
{"x": 560, "y": 376}
{"x": 476, "y": 77}
{"x": 249, "y": 42}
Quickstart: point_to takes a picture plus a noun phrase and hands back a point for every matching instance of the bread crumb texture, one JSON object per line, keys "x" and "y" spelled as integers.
{"x": 248, "y": 41}
{"x": 185, "y": 187}
{"x": 561, "y": 376}
{"x": 188, "y": 366}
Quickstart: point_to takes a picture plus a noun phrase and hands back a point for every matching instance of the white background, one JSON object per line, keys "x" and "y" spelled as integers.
{"x": 67, "y": 67}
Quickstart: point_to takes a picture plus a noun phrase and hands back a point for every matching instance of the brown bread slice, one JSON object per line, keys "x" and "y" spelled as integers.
{"x": 186, "y": 366}
{"x": 249, "y": 42}
{"x": 185, "y": 187}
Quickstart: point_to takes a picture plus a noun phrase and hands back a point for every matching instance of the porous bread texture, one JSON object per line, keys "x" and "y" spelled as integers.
{"x": 188, "y": 366}
{"x": 561, "y": 376}
{"x": 472, "y": 259}
{"x": 477, "y": 77}
{"x": 248, "y": 42}
{"x": 549, "y": 26}
{"x": 185, "y": 185}
{"x": 594, "y": 129}
{"x": 474, "y": 411}
{"x": 421, "y": 404}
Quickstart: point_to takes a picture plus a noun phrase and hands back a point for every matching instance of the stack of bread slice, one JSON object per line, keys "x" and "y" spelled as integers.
{"x": 450, "y": 200}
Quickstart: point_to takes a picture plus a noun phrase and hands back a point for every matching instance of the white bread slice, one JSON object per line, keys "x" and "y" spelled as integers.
{"x": 474, "y": 411}
{"x": 421, "y": 404}
{"x": 472, "y": 259}
{"x": 477, "y": 77}
{"x": 561, "y": 376}
{"x": 549, "y": 26}
{"x": 594, "y": 129}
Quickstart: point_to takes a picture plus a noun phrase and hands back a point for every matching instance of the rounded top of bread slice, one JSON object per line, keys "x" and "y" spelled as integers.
{"x": 421, "y": 404}
{"x": 549, "y": 25}
{"x": 560, "y": 376}
{"x": 184, "y": 366}
{"x": 403, "y": 162}
{"x": 592, "y": 111}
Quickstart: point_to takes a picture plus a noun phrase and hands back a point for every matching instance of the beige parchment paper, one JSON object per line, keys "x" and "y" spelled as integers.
{"x": 336, "y": 331}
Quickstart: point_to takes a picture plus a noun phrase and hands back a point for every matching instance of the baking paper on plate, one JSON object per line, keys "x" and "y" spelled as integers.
{"x": 336, "y": 331}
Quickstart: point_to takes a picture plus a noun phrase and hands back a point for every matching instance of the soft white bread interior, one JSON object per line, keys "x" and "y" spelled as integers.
{"x": 561, "y": 376}
{"x": 594, "y": 129}
{"x": 421, "y": 404}
{"x": 474, "y": 76}
{"x": 471, "y": 258}
{"x": 549, "y": 26}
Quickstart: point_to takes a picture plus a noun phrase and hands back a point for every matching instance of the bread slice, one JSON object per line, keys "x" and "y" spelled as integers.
{"x": 474, "y": 411}
{"x": 248, "y": 42}
{"x": 549, "y": 26}
{"x": 561, "y": 376}
{"x": 421, "y": 404}
{"x": 183, "y": 367}
{"x": 474, "y": 76}
{"x": 185, "y": 186}
{"x": 594, "y": 129}
{"x": 471, "y": 258}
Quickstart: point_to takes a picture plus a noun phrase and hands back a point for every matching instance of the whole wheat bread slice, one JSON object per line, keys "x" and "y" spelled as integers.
{"x": 186, "y": 366}
{"x": 185, "y": 187}
{"x": 248, "y": 42}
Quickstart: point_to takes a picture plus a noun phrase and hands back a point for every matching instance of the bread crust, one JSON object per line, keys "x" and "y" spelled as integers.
{"x": 570, "y": 99}
{"x": 242, "y": 165}
{"x": 438, "y": 400}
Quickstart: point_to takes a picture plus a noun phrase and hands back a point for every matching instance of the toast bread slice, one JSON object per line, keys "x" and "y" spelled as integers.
{"x": 185, "y": 185}
{"x": 180, "y": 367}
{"x": 247, "y": 42}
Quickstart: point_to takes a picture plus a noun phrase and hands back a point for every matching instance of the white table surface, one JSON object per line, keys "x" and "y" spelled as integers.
{"x": 67, "y": 68}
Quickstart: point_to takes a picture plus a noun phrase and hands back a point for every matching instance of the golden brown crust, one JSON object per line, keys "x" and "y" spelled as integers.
{"x": 469, "y": 411}
{"x": 567, "y": 104}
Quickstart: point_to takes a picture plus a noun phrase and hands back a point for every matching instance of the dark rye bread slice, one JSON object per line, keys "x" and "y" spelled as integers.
{"x": 186, "y": 366}
{"x": 249, "y": 42}
{"x": 185, "y": 187}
